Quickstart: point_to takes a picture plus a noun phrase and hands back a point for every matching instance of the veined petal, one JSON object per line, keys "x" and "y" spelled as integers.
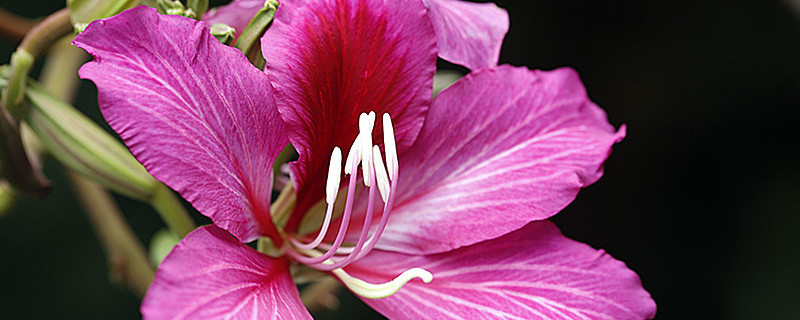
{"x": 211, "y": 275}
{"x": 330, "y": 61}
{"x": 167, "y": 87}
{"x": 500, "y": 148}
{"x": 531, "y": 273}
{"x": 468, "y": 33}
{"x": 236, "y": 14}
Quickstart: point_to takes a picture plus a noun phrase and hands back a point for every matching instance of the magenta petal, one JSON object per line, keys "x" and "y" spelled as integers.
{"x": 500, "y": 148}
{"x": 468, "y": 33}
{"x": 236, "y": 14}
{"x": 207, "y": 132}
{"x": 331, "y": 60}
{"x": 531, "y": 273}
{"x": 211, "y": 275}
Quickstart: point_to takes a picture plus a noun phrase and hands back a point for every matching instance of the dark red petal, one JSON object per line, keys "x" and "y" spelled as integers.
{"x": 330, "y": 61}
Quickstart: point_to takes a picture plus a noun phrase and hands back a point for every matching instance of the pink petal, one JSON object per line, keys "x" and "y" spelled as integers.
{"x": 468, "y": 33}
{"x": 211, "y": 275}
{"x": 531, "y": 273}
{"x": 500, "y": 148}
{"x": 207, "y": 132}
{"x": 236, "y": 14}
{"x": 331, "y": 60}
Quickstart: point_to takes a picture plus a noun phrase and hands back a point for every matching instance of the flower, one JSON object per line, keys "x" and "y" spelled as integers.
{"x": 452, "y": 226}
{"x": 467, "y": 33}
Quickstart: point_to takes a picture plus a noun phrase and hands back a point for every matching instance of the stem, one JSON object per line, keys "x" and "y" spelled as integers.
{"x": 172, "y": 211}
{"x": 126, "y": 255}
{"x": 282, "y": 207}
{"x": 38, "y": 39}
{"x": 16, "y": 166}
{"x": 14, "y": 27}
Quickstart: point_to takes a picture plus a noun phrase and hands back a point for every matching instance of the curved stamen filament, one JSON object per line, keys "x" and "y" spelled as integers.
{"x": 339, "y": 263}
{"x": 331, "y": 190}
{"x": 348, "y": 208}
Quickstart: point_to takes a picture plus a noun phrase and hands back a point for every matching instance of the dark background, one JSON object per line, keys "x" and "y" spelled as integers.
{"x": 702, "y": 199}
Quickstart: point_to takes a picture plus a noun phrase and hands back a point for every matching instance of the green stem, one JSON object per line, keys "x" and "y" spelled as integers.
{"x": 126, "y": 255}
{"x": 171, "y": 211}
{"x": 35, "y": 43}
{"x": 14, "y": 27}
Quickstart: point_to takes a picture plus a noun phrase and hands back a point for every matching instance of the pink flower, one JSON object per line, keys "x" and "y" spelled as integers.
{"x": 453, "y": 226}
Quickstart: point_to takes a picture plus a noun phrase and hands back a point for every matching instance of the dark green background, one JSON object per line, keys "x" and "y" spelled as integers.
{"x": 702, "y": 198}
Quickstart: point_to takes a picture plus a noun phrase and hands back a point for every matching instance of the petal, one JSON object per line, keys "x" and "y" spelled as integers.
{"x": 207, "y": 132}
{"x": 500, "y": 148}
{"x": 532, "y": 273}
{"x": 211, "y": 275}
{"x": 236, "y": 14}
{"x": 331, "y": 60}
{"x": 467, "y": 33}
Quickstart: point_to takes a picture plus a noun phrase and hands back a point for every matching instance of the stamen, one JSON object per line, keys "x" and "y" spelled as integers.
{"x": 382, "y": 290}
{"x": 334, "y": 176}
{"x": 352, "y": 155}
{"x": 390, "y": 145}
{"x": 380, "y": 174}
{"x": 331, "y": 190}
{"x": 365, "y": 132}
{"x": 362, "y": 238}
{"x": 348, "y": 209}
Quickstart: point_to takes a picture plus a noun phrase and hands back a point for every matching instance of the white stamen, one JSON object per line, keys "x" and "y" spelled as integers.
{"x": 365, "y": 132}
{"x": 352, "y": 155}
{"x": 383, "y": 290}
{"x": 390, "y": 145}
{"x": 334, "y": 176}
{"x": 380, "y": 174}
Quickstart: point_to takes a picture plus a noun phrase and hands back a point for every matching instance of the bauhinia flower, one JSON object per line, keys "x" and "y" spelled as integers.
{"x": 424, "y": 208}
{"x": 467, "y": 33}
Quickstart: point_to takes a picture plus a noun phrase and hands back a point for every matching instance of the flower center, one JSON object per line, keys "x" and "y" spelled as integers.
{"x": 378, "y": 179}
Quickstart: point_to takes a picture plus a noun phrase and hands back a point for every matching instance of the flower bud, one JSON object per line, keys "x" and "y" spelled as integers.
{"x": 81, "y": 145}
{"x": 224, "y": 33}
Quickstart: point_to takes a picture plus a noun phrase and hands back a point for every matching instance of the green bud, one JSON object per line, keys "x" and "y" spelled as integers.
{"x": 175, "y": 8}
{"x": 161, "y": 244}
{"x": 20, "y": 65}
{"x": 84, "y": 11}
{"x": 81, "y": 145}
{"x": 223, "y": 32}
{"x": 248, "y": 40}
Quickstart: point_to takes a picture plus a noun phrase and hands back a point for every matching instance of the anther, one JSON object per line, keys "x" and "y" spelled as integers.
{"x": 334, "y": 176}
{"x": 380, "y": 174}
{"x": 352, "y": 155}
{"x": 390, "y": 145}
{"x": 365, "y": 133}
